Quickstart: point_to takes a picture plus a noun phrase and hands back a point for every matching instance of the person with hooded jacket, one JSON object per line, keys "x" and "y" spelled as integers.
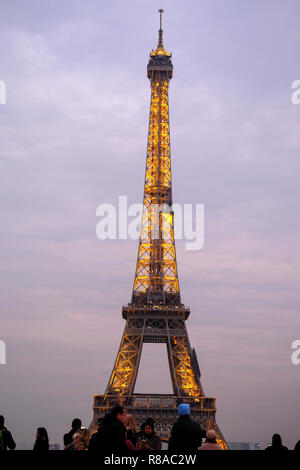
{"x": 6, "y": 440}
{"x": 147, "y": 438}
{"x": 186, "y": 434}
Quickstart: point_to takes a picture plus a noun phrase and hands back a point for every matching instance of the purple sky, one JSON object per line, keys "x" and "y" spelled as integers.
{"x": 73, "y": 135}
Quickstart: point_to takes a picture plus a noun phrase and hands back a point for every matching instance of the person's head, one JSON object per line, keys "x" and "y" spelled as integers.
{"x": 1, "y": 420}
{"x": 184, "y": 409}
{"x": 297, "y": 447}
{"x": 42, "y": 434}
{"x": 276, "y": 440}
{"x": 76, "y": 423}
{"x": 211, "y": 436}
{"x": 130, "y": 422}
{"x": 119, "y": 413}
{"x": 148, "y": 426}
{"x": 148, "y": 429}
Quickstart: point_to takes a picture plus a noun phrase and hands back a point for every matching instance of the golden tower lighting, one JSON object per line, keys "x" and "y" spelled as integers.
{"x": 155, "y": 313}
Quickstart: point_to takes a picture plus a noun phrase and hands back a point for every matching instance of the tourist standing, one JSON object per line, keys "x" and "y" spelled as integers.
{"x": 6, "y": 440}
{"x": 148, "y": 439}
{"x": 114, "y": 431}
{"x": 68, "y": 437}
{"x": 42, "y": 441}
{"x": 276, "y": 444}
{"x": 186, "y": 434}
{"x": 131, "y": 429}
{"x": 211, "y": 441}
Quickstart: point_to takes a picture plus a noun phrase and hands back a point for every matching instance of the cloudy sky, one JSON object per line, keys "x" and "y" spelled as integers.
{"x": 73, "y": 135}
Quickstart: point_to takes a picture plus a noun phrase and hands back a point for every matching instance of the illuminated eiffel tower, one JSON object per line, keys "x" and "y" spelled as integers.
{"x": 155, "y": 313}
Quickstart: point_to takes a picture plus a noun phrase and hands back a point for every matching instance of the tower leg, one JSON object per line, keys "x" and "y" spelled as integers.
{"x": 124, "y": 374}
{"x": 181, "y": 364}
{"x": 184, "y": 372}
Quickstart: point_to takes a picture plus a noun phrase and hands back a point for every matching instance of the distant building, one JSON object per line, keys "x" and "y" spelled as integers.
{"x": 27, "y": 445}
{"x": 244, "y": 446}
{"x": 54, "y": 447}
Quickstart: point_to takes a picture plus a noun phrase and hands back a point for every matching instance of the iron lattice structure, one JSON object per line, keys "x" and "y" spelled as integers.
{"x": 155, "y": 313}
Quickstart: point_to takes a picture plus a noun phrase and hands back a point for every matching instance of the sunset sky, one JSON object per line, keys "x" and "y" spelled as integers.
{"x": 73, "y": 135}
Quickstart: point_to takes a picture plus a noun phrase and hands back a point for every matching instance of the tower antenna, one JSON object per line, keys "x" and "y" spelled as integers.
{"x": 160, "y": 31}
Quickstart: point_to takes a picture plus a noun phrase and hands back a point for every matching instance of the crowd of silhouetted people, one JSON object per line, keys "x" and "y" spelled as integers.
{"x": 117, "y": 433}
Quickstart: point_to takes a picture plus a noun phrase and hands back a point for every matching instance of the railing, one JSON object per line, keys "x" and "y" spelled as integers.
{"x": 155, "y": 401}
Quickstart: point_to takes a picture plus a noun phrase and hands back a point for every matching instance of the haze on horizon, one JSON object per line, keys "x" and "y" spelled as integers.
{"x": 73, "y": 135}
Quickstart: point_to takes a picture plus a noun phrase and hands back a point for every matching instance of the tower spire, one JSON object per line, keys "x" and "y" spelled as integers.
{"x": 160, "y": 31}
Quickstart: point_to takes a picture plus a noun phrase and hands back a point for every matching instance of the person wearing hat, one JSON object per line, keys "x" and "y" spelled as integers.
{"x": 211, "y": 441}
{"x": 148, "y": 439}
{"x": 186, "y": 434}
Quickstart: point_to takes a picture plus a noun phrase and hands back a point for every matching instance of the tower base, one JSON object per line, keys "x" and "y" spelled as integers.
{"x": 162, "y": 408}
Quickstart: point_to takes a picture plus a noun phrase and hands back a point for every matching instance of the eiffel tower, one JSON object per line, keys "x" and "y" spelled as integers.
{"x": 156, "y": 313}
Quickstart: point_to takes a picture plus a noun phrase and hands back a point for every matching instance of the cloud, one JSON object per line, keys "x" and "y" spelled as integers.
{"x": 73, "y": 134}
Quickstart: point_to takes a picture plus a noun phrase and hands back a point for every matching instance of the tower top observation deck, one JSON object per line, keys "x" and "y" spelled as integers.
{"x": 160, "y": 59}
